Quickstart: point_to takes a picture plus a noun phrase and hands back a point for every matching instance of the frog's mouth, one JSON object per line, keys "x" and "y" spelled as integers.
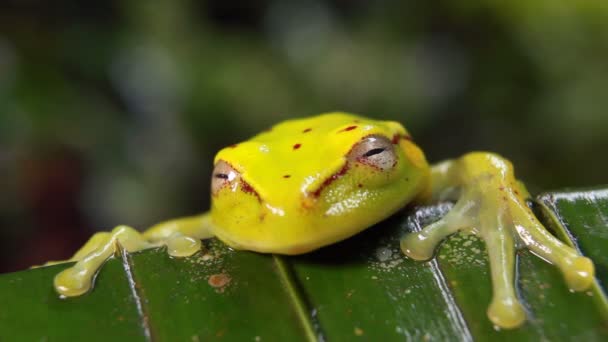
{"x": 316, "y": 193}
{"x": 250, "y": 190}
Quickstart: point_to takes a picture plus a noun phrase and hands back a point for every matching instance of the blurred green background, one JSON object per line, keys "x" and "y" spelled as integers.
{"x": 111, "y": 111}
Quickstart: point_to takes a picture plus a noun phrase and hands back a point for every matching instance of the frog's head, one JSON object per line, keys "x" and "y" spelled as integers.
{"x": 307, "y": 183}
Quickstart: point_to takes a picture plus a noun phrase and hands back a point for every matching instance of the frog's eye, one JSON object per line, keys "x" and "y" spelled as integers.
{"x": 374, "y": 150}
{"x": 223, "y": 175}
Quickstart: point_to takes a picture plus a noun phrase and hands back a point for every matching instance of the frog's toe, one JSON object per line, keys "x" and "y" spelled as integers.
{"x": 578, "y": 270}
{"x": 506, "y": 312}
{"x": 579, "y": 273}
{"x": 73, "y": 282}
{"x": 421, "y": 245}
{"x": 182, "y": 246}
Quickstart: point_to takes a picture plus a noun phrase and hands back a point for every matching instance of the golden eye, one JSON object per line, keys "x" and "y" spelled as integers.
{"x": 374, "y": 150}
{"x": 223, "y": 175}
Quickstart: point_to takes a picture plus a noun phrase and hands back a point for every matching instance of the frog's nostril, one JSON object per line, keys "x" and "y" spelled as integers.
{"x": 330, "y": 180}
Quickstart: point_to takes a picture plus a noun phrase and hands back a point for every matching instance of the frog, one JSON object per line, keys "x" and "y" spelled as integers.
{"x": 311, "y": 182}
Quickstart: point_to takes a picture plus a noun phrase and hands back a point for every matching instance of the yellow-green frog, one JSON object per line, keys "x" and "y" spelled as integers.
{"x": 308, "y": 183}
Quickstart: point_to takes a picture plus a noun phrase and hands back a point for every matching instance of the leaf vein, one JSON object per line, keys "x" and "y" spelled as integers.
{"x": 296, "y": 300}
{"x": 141, "y": 308}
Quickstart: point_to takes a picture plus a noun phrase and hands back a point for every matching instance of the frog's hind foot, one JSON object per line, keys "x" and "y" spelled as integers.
{"x": 500, "y": 216}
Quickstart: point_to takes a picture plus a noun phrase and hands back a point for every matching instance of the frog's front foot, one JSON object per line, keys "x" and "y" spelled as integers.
{"x": 78, "y": 279}
{"x": 493, "y": 208}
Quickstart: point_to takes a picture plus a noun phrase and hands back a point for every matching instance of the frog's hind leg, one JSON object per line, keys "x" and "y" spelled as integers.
{"x": 181, "y": 236}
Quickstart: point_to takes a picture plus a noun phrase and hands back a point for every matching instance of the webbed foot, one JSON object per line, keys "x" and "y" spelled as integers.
{"x": 492, "y": 205}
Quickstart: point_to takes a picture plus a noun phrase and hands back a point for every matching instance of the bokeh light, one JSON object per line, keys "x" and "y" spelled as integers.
{"x": 111, "y": 112}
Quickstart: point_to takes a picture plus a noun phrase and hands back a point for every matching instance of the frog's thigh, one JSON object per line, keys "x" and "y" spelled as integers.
{"x": 505, "y": 310}
{"x": 78, "y": 279}
{"x": 578, "y": 270}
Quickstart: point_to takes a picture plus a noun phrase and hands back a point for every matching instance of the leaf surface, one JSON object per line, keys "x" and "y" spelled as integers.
{"x": 360, "y": 288}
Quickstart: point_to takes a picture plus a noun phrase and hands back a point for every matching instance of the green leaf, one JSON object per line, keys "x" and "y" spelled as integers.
{"x": 360, "y": 288}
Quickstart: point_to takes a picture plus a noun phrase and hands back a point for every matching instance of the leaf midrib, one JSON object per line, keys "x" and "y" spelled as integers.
{"x": 295, "y": 297}
{"x": 142, "y": 309}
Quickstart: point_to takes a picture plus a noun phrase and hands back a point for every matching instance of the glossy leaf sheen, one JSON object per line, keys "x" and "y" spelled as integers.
{"x": 360, "y": 288}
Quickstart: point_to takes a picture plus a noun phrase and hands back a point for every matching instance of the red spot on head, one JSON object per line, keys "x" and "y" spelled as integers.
{"x": 307, "y": 130}
{"x": 349, "y": 128}
{"x": 297, "y": 146}
{"x": 286, "y": 176}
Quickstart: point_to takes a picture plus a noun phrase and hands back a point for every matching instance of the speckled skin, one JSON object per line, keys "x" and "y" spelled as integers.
{"x": 308, "y": 183}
